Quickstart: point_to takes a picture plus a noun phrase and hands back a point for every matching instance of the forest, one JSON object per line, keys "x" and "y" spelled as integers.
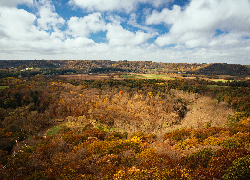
{"x": 52, "y": 127}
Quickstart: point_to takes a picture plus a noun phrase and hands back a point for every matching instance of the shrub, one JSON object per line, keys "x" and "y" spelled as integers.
{"x": 207, "y": 125}
{"x": 222, "y": 160}
{"x": 188, "y": 143}
{"x": 199, "y": 158}
{"x": 239, "y": 170}
{"x": 138, "y": 134}
{"x": 114, "y": 147}
{"x": 75, "y": 139}
{"x": 98, "y": 133}
{"x": 212, "y": 141}
{"x": 118, "y": 135}
{"x": 231, "y": 143}
{"x": 38, "y": 175}
{"x": 144, "y": 137}
{"x": 177, "y": 134}
{"x": 3, "y": 157}
{"x": 235, "y": 118}
{"x": 153, "y": 173}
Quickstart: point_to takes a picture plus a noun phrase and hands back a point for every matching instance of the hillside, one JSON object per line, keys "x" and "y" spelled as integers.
{"x": 223, "y": 69}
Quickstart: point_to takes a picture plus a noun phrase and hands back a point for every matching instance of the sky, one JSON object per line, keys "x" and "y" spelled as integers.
{"x": 168, "y": 31}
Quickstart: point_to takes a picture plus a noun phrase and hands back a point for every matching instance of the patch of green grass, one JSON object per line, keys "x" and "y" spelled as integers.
{"x": 53, "y": 130}
{"x": 129, "y": 77}
{"x": 146, "y": 76}
{"x": 160, "y": 76}
{"x": 216, "y": 86}
{"x": 141, "y": 76}
{"x": 3, "y": 87}
{"x": 218, "y": 80}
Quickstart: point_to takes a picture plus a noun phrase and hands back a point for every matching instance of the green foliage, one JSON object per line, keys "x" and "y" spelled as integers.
{"x": 232, "y": 143}
{"x": 223, "y": 159}
{"x": 3, "y": 87}
{"x": 53, "y": 130}
{"x": 38, "y": 175}
{"x": 216, "y": 86}
{"x": 28, "y": 149}
{"x": 238, "y": 140}
{"x": 200, "y": 158}
{"x": 63, "y": 129}
{"x": 207, "y": 125}
{"x": 240, "y": 169}
{"x": 235, "y": 118}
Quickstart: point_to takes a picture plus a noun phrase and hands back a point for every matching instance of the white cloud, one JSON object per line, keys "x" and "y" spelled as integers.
{"x": 119, "y": 36}
{"x": 19, "y": 34}
{"x": 29, "y": 35}
{"x": 114, "y": 5}
{"x": 83, "y": 26}
{"x": 49, "y": 19}
{"x": 18, "y": 24}
{"x": 165, "y": 16}
{"x": 132, "y": 21}
{"x": 14, "y": 3}
{"x": 78, "y": 42}
{"x": 230, "y": 39}
{"x": 196, "y": 24}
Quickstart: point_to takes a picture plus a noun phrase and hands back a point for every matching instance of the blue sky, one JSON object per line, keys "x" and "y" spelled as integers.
{"x": 188, "y": 31}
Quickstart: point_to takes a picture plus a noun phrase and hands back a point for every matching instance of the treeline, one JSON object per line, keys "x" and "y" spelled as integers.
{"x": 95, "y": 66}
{"x": 31, "y": 73}
{"x": 107, "y": 70}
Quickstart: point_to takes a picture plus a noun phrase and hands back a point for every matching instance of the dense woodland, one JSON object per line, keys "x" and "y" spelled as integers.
{"x": 57, "y": 128}
{"x": 63, "y": 67}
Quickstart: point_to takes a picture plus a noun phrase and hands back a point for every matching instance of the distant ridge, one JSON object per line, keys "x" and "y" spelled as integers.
{"x": 223, "y": 69}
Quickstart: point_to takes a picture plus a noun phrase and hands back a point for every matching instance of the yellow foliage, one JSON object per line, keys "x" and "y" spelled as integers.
{"x": 136, "y": 139}
{"x": 62, "y": 102}
{"x": 105, "y": 100}
{"x": 148, "y": 154}
{"x": 212, "y": 141}
{"x": 188, "y": 143}
{"x": 245, "y": 121}
{"x": 150, "y": 94}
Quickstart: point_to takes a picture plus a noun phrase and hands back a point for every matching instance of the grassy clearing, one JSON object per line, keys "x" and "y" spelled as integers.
{"x": 160, "y": 76}
{"x": 3, "y": 87}
{"x": 53, "y": 130}
{"x": 216, "y": 86}
{"x": 146, "y": 76}
{"x": 129, "y": 76}
{"x": 218, "y": 80}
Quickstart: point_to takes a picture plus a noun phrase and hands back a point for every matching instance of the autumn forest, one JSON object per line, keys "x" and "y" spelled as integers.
{"x": 102, "y": 119}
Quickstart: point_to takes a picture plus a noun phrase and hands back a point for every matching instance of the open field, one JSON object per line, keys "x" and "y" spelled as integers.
{"x": 216, "y": 86}
{"x": 106, "y": 76}
{"x": 129, "y": 76}
{"x": 3, "y": 87}
{"x": 217, "y": 80}
{"x": 146, "y": 76}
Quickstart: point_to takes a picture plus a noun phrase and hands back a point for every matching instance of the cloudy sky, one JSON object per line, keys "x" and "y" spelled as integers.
{"x": 154, "y": 30}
